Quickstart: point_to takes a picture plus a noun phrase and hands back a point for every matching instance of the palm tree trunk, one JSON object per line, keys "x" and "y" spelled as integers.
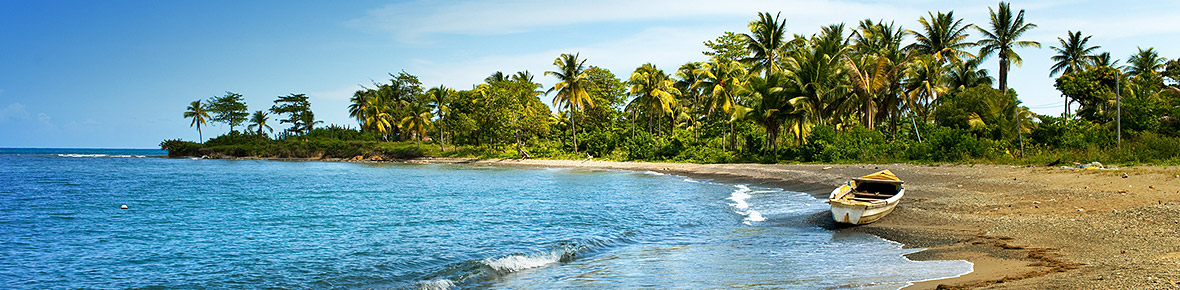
{"x": 574, "y": 124}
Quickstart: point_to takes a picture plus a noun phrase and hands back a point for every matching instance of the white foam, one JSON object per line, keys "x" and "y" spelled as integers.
{"x": 98, "y": 156}
{"x": 691, "y": 180}
{"x": 755, "y": 216}
{"x": 653, "y": 173}
{"x": 739, "y": 197}
{"x": 514, "y": 263}
{"x": 440, "y": 284}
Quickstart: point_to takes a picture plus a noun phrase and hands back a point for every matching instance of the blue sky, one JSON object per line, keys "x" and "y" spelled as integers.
{"x": 119, "y": 74}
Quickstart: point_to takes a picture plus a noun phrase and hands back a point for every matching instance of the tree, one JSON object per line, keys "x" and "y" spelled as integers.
{"x": 298, "y": 111}
{"x": 943, "y": 37}
{"x": 1001, "y": 39}
{"x": 686, "y": 78}
{"x": 229, "y": 109}
{"x": 200, "y": 114}
{"x": 654, "y": 90}
{"x": 720, "y": 81}
{"x": 817, "y": 71}
{"x": 967, "y": 74}
{"x": 571, "y": 88}
{"x": 1003, "y": 36}
{"x": 439, "y": 96}
{"x": 924, "y": 84}
{"x": 1146, "y": 63}
{"x": 729, "y": 46}
{"x": 1104, "y": 59}
{"x": 1074, "y": 55}
{"x": 771, "y": 101}
{"x": 416, "y": 122}
{"x": 766, "y": 38}
{"x": 258, "y": 120}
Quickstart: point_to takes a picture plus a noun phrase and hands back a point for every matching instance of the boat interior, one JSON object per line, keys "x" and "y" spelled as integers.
{"x": 873, "y": 190}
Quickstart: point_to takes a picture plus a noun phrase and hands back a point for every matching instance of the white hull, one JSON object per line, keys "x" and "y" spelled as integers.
{"x": 859, "y": 213}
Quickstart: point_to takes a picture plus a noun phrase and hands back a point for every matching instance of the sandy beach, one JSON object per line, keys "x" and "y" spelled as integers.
{"x": 1022, "y": 227}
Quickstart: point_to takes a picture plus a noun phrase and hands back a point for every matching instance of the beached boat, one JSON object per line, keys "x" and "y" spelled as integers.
{"x": 867, "y": 198}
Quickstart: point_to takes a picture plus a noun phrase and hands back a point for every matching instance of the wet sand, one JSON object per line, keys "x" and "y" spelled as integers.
{"x": 1022, "y": 227}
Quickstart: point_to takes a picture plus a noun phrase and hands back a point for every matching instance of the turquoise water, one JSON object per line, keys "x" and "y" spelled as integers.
{"x": 215, "y": 224}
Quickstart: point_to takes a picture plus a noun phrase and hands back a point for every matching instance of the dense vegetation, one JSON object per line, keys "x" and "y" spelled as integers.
{"x": 875, "y": 92}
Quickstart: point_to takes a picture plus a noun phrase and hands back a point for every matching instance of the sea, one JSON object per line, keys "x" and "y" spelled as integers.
{"x": 249, "y": 224}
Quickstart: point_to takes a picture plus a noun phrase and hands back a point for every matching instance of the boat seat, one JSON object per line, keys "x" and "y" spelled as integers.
{"x": 867, "y": 199}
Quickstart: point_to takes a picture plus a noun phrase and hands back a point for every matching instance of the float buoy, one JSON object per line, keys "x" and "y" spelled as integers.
{"x": 123, "y": 206}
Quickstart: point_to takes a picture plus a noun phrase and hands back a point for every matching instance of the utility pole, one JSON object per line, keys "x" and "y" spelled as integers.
{"x": 1016, "y": 118}
{"x": 1119, "y": 107}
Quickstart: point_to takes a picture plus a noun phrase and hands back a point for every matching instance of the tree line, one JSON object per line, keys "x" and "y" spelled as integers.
{"x": 846, "y": 93}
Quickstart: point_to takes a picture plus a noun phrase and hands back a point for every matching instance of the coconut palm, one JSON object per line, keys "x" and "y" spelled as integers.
{"x": 771, "y": 102}
{"x": 768, "y": 35}
{"x": 719, "y": 82}
{"x": 258, "y": 120}
{"x": 655, "y": 92}
{"x": 816, "y": 70}
{"x": 925, "y": 82}
{"x": 967, "y": 74}
{"x": 416, "y": 121}
{"x": 439, "y": 96}
{"x": 200, "y": 115}
{"x": 571, "y": 88}
{"x": 1104, "y": 59}
{"x": 1004, "y": 35}
{"x": 942, "y": 36}
{"x": 359, "y": 105}
{"x": 1073, "y": 55}
{"x": 1144, "y": 63}
{"x": 687, "y": 77}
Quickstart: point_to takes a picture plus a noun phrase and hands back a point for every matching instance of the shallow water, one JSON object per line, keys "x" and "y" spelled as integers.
{"x": 316, "y": 225}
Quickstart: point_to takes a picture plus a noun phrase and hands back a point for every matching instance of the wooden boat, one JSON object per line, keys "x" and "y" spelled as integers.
{"x": 867, "y": 198}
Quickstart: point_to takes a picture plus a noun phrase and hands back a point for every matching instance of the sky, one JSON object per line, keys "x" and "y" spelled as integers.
{"x": 119, "y": 74}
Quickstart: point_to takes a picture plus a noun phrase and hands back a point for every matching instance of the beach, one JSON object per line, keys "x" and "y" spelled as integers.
{"x": 1022, "y": 227}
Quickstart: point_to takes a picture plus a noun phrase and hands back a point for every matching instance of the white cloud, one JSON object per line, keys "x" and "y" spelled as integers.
{"x": 45, "y": 120}
{"x": 411, "y": 20}
{"x": 14, "y": 111}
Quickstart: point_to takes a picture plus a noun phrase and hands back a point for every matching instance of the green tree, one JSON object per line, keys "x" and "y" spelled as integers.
{"x": 817, "y": 72}
{"x": 766, "y": 39}
{"x": 258, "y": 122}
{"x": 1074, "y": 55}
{"x": 416, "y": 121}
{"x": 298, "y": 111}
{"x": 686, "y": 78}
{"x": 654, "y": 91}
{"x": 1145, "y": 64}
{"x": 720, "y": 81}
{"x": 229, "y": 109}
{"x": 200, "y": 115}
{"x": 1004, "y": 35}
{"x": 571, "y": 88}
{"x": 439, "y": 96}
{"x": 771, "y": 102}
{"x": 925, "y": 83}
{"x": 727, "y": 47}
{"x": 943, "y": 37}
{"x": 967, "y": 74}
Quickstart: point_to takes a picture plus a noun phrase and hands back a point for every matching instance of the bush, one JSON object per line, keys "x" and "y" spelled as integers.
{"x": 178, "y": 148}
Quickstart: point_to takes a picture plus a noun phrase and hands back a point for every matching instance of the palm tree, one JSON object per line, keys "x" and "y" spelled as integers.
{"x": 719, "y": 82}
{"x": 1144, "y": 63}
{"x": 1104, "y": 59}
{"x": 358, "y": 104}
{"x": 655, "y": 91}
{"x": 1073, "y": 55}
{"x": 1003, "y": 37}
{"x": 200, "y": 115}
{"x": 816, "y": 70}
{"x": 967, "y": 74}
{"x": 416, "y": 121}
{"x": 771, "y": 102}
{"x": 687, "y": 77}
{"x": 258, "y": 120}
{"x": 439, "y": 96}
{"x": 571, "y": 88}
{"x": 875, "y": 74}
{"x": 925, "y": 83}
{"x": 1000, "y": 40}
{"x": 942, "y": 36}
{"x": 766, "y": 38}
{"x": 378, "y": 116}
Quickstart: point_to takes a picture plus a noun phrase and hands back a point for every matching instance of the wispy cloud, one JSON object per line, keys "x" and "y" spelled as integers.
{"x": 14, "y": 111}
{"x": 411, "y": 20}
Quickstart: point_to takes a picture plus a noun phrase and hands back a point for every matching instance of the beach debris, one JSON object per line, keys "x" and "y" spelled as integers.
{"x": 1089, "y": 166}
{"x": 1081, "y": 209}
{"x": 1036, "y": 202}
{"x": 827, "y": 167}
{"x": 123, "y": 206}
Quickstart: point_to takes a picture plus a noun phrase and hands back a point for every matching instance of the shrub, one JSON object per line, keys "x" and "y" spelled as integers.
{"x": 178, "y": 148}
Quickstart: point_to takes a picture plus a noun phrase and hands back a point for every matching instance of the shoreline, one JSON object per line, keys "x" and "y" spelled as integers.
{"x": 1021, "y": 227}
